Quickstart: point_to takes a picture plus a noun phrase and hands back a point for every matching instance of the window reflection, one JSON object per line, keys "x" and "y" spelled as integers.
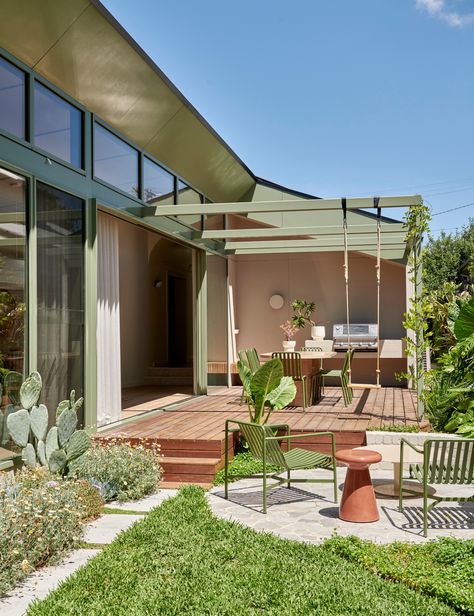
{"x": 12, "y": 282}
{"x": 60, "y": 273}
{"x": 115, "y": 161}
{"x": 58, "y": 126}
{"x": 158, "y": 184}
{"x": 188, "y": 196}
{"x": 12, "y": 99}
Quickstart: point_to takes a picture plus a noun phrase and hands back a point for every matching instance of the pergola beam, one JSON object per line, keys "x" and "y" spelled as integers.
{"x": 302, "y": 205}
{"x": 386, "y": 252}
{"x": 333, "y": 230}
{"x": 315, "y": 245}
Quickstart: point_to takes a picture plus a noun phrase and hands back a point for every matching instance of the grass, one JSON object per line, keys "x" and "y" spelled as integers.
{"x": 243, "y": 463}
{"x": 117, "y": 511}
{"x": 442, "y": 568}
{"x": 182, "y": 560}
{"x": 395, "y": 428}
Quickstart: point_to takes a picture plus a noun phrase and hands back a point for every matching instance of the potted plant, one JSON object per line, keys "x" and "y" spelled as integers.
{"x": 289, "y": 329}
{"x": 302, "y": 317}
{"x": 266, "y": 390}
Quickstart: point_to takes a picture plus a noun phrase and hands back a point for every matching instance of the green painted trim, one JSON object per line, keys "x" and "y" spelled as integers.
{"x": 90, "y": 310}
{"x": 200, "y": 361}
{"x": 331, "y": 230}
{"x": 317, "y": 245}
{"x": 31, "y": 338}
{"x": 311, "y": 205}
{"x": 387, "y": 253}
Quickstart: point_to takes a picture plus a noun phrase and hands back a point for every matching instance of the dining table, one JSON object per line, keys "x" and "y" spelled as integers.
{"x": 311, "y": 362}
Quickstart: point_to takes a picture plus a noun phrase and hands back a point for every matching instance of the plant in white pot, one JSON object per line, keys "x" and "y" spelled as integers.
{"x": 289, "y": 331}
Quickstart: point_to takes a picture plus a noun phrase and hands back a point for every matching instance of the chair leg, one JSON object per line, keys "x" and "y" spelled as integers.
{"x": 264, "y": 474}
{"x": 303, "y": 389}
{"x": 288, "y": 482}
{"x": 425, "y": 509}
{"x": 226, "y": 466}
{"x": 335, "y": 483}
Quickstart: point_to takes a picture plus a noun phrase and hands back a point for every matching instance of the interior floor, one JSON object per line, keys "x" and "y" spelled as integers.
{"x": 138, "y": 400}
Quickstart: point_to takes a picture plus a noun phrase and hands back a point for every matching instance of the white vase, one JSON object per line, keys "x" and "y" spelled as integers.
{"x": 289, "y": 345}
{"x": 318, "y": 332}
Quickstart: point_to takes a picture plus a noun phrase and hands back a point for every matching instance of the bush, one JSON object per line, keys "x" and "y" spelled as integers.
{"x": 442, "y": 568}
{"x": 40, "y": 519}
{"x": 243, "y": 463}
{"x": 119, "y": 470}
{"x": 90, "y": 499}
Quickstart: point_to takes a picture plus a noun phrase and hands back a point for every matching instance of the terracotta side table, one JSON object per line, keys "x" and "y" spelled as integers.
{"x": 358, "y": 502}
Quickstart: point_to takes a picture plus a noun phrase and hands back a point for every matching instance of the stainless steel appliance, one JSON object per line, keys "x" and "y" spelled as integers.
{"x": 363, "y": 336}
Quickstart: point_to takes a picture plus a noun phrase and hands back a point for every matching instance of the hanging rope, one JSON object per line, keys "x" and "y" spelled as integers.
{"x": 346, "y": 281}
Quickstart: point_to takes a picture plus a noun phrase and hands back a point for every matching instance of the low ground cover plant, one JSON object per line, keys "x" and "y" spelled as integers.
{"x": 442, "y": 568}
{"x": 120, "y": 470}
{"x": 182, "y": 560}
{"x": 243, "y": 463}
{"x": 40, "y": 519}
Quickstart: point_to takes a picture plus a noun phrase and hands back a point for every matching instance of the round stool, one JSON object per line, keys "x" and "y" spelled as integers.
{"x": 358, "y": 502}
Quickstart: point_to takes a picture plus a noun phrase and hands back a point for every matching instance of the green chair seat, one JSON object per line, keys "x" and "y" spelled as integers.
{"x": 302, "y": 458}
{"x": 334, "y": 372}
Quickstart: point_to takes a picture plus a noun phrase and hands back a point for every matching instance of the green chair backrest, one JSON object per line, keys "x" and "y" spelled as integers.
{"x": 318, "y": 349}
{"x": 243, "y": 358}
{"x": 449, "y": 460}
{"x": 253, "y": 359}
{"x": 255, "y": 435}
{"x": 347, "y": 361}
{"x": 291, "y": 363}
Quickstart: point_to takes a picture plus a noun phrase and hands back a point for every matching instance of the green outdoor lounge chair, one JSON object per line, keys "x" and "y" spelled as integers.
{"x": 445, "y": 461}
{"x": 292, "y": 367}
{"x": 265, "y": 446}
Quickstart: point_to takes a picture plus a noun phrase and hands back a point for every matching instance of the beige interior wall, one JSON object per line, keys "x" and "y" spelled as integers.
{"x": 315, "y": 277}
{"x": 135, "y": 313}
{"x": 144, "y": 258}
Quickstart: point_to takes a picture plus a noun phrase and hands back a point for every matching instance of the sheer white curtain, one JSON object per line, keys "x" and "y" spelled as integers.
{"x": 109, "y": 399}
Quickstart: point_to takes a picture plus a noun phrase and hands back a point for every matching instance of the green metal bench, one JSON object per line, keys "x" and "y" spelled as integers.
{"x": 265, "y": 446}
{"x": 445, "y": 461}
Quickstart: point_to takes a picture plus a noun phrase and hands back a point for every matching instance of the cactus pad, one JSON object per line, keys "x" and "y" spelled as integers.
{"x": 39, "y": 421}
{"x": 72, "y": 398}
{"x": 78, "y": 444}
{"x": 30, "y": 392}
{"x": 9, "y": 409}
{"x": 78, "y": 404}
{"x": 19, "y": 427}
{"x": 57, "y": 461}
{"x": 62, "y": 406}
{"x": 28, "y": 455}
{"x": 41, "y": 451}
{"x": 66, "y": 423}
{"x": 52, "y": 443}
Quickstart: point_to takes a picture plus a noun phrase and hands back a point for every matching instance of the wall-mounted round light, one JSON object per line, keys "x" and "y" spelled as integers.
{"x": 276, "y": 301}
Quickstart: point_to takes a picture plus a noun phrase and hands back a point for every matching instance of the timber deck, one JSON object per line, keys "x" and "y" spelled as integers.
{"x": 191, "y": 433}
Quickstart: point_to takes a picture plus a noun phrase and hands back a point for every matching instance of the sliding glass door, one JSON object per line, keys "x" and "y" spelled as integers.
{"x": 60, "y": 293}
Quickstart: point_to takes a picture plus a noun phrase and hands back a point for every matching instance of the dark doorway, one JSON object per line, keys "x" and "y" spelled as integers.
{"x": 177, "y": 321}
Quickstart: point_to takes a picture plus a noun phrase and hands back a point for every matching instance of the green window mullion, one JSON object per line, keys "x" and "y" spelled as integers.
{"x": 90, "y": 317}
{"x": 31, "y": 336}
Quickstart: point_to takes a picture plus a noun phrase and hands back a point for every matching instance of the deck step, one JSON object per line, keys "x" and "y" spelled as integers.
{"x": 172, "y": 485}
{"x": 190, "y": 470}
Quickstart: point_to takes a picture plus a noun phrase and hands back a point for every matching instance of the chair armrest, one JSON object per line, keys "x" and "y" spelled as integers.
{"x": 417, "y": 449}
{"x": 292, "y": 436}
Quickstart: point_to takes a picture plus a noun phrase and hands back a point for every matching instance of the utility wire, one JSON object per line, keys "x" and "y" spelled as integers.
{"x": 460, "y": 207}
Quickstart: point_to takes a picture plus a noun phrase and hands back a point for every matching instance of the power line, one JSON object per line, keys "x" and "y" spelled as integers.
{"x": 460, "y": 207}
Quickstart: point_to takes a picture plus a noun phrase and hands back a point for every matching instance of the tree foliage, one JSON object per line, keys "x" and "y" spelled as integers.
{"x": 449, "y": 258}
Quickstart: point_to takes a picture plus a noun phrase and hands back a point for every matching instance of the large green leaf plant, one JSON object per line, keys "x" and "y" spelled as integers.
{"x": 449, "y": 393}
{"x": 266, "y": 390}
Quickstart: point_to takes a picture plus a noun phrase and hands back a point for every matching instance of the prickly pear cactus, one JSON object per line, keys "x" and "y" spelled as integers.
{"x": 57, "y": 461}
{"x": 28, "y": 455}
{"x": 41, "y": 452}
{"x": 78, "y": 403}
{"x": 52, "y": 443}
{"x": 30, "y": 392}
{"x": 78, "y": 444}
{"x": 62, "y": 406}
{"x": 72, "y": 398}
{"x": 18, "y": 424}
{"x": 39, "y": 421}
{"x": 73, "y": 465}
{"x": 66, "y": 423}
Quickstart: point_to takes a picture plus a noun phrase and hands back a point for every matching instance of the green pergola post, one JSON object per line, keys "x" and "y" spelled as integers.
{"x": 90, "y": 308}
{"x": 200, "y": 278}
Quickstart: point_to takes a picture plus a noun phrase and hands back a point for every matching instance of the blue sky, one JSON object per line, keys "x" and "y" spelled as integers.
{"x": 334, "y": 97}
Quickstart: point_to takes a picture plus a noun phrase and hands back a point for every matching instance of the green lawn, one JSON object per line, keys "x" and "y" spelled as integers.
{"x": 182, "y": 560}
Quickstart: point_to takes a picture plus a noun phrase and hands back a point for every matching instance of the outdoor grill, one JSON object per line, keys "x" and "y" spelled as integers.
{"x": 363, "y": 336}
